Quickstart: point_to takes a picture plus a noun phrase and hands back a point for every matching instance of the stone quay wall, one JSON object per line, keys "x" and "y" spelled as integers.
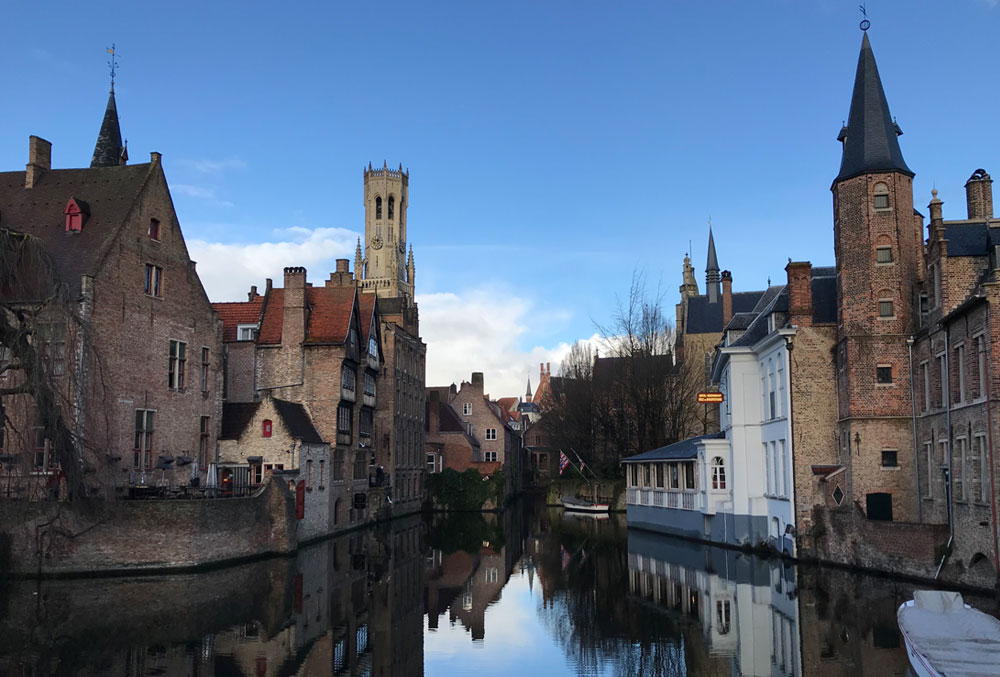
{"x": 56, "y": 538}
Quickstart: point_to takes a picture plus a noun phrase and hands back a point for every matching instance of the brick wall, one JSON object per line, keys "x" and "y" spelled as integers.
{"x": 147, "y": 534}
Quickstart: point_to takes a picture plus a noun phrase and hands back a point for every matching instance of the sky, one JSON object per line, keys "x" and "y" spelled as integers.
{"x": 554, "y": 147}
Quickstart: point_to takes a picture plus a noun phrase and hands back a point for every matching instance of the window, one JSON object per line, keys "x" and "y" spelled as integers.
{"x": 378, "y": 207}
{"x": 883, "y": 374}
{"x": 204, "y": 370}
{"x": 431, "y": 460}
{"x": 718, "y": 473}
{"x": 981, "y": 468}
{"x": 256, "y": 474}
{"x": 659, "y": 476}
{"x": 203, "y": 442}
{"x": 392, "y": 206}
{"x": 246, "y": 332}
{"x": 175, "y": 371}
{"x": 309, "y": 474}
{"x": 674, "y": 476}
{"x": 369, "y": 384}
{"x": 960, "y": 468}
{"x": 347, "y": 377}
{"x": 154, "y": 280}
{"x": 52, "y": 337}
{"x": 372, "y": 347}
{"x": 491, "y": 572}
{"x": 142, "y": 452}
{"x": 879, "y": 507}
{"x": 41, "y": 448}
{"x": 929, "y": 452}
{"x": 981, "y": 366}
{"x": 490, "y": 456}
{"x": 466, "y": 409}
{"x": 338, "y": 465}
{"x": 344, "y": 419}
{"x": 647, "y": 476}
{"x": 925, "y": 372}
{"x": 886, "y": 309}
{"x": 890, "y": 458}
{"x": 265, "y": 428}
{"x": 943, "y": 374}
{"x": 881, "y": 194}
{"x": 491, "y": 433}
{"x": 365, "y": 424}
{"x": 768, "y": 468}
{"x": 723, "y": 617}
{"x": 154, "y": 229}
{"x": 322, "y": 474}
{"x": 960, "y": 368}
{"x": 883, "y": 255}
{"x": 784, "y": 468}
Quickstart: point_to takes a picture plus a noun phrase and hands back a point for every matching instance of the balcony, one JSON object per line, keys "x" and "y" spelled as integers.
{"x": 665, "y": 498}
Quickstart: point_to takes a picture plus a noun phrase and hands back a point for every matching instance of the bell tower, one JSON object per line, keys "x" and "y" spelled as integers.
{"x": 385, "y": 268}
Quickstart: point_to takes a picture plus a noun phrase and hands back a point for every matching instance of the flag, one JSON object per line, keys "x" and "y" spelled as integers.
{"x": 110, "y": 51}
{"x": 582, "y": 465}
{"x": 563, "y": 462}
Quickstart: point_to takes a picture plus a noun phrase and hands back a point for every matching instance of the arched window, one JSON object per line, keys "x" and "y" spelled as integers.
{"x": 881, "y": 194}
{"x": 392, "y": 206}
{"x": 266, "y": 428}
{"x": 378, "y": 208}
{"x": 718, "y": 473}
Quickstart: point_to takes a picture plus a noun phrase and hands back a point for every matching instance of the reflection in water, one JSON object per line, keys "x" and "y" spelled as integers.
{"x": 531, "y": 590}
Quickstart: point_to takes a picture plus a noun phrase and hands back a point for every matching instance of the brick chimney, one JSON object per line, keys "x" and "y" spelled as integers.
{"x": 39, "y": 160}
{"x": 252, "y": 295}
{"x": 293, "y": 324}
{"x": 800, "y": 292}
{"x": 342, "y": 277}
{"x": 477, "y": 380}
{"x": 434, "y": 412}
{"x": 727, "y": 297}
{"x": 979, "y": 195}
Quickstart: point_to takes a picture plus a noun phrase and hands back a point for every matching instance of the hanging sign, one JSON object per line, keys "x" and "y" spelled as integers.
{"x": 711, "y": 398}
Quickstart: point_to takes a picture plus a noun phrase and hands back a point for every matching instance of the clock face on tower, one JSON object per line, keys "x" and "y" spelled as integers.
{"x": 376, "y": 242}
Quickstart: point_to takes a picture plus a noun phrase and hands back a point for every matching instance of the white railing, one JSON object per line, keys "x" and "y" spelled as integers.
{"x": 660, "y": 498}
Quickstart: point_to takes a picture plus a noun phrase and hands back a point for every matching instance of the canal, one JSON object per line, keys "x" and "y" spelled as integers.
{"x": 531, "y": 591}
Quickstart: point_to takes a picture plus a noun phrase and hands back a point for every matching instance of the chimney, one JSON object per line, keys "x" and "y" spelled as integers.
{"x": 800, "y": 292}
{"x": 979, "y": 195}
{"x": 935, "y": 207}
{"x": 293, "y": 325}
{"x": 477, "y": 380}
{"x": 342, "y": 277}
{"x": 252, "y": 296}
{"x": 434, "y": 411}
{"x": 39, "y": 160}
{"x": 343, "y": 265}
{"x": 541, "y": 370}
{"x": 727, "y": 297}
{"x": 548, "y": 370}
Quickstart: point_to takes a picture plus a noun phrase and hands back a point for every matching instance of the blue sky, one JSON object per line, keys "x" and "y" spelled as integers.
{"x": 554, "y": 147}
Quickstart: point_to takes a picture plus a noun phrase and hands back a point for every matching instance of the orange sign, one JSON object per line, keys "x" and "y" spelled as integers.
{"x": 711, "y": 398}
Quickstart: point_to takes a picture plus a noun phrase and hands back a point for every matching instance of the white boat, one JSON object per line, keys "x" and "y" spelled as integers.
{"x": 583, "y": 505}
{"x": 947, "y": 638}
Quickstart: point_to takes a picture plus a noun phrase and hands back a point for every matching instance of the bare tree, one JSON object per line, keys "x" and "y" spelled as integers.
{"x": 567, "y": 416}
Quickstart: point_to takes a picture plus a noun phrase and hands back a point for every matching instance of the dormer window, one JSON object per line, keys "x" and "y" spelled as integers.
{"x": 76, "y": 213}
{"x": 881, "y": 195}
{"x": 154, "y": 229}
{"x": 246, "y": 332}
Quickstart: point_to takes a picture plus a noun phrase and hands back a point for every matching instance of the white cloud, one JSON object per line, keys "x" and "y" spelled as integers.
{"x": 206, "y": 166}
{"x": 201, "y": 192}
{"x": 481, "y": 329}
{"x": 228, "y": 270}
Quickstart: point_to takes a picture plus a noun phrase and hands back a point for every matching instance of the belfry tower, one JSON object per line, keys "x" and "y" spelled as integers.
{"x": 386, "y": 267}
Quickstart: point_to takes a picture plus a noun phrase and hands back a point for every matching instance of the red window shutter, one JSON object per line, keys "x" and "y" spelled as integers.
{"x": 267, "y": 428}
{"x": 300, "y": 500}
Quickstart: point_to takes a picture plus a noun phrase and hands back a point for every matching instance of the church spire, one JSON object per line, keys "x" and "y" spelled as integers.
{"x": 712, "y": 275}
{"x": 869, "y": 139}
{"x": 527, "y": 394}
{"x": 411, "y": 270}
{"x": 359, "y": 264}
{"x": 109, "y": 151}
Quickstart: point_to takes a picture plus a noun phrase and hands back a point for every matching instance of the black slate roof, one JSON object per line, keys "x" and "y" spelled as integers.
{"x": 109, "y": 193}
{"x": 108, "y": 150}
{"x": 970, "y": 239}
{"x": 683, "y": 450}
{"x": 298, "y": 422}
{"x": 870, "y": 143}
{"x": 706, "y": 318}
{"x": 236, "y": 416}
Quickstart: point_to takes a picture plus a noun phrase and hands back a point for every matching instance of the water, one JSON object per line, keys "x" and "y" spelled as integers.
{"x": 532, "y": 591}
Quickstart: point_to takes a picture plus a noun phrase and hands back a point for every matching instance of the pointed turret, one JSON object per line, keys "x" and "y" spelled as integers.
{"x": 359, "y": 263}
{"x": 712, "y": 274}
{"x": 109, "y": 151}
{"x": 870, "y": 143}
{"x": 527, "y": 394}
{"x": 411, "y": 270}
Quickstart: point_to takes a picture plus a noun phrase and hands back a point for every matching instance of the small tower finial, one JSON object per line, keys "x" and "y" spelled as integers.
{"x": 865, "y": 23}
{"x": 112, "y": 64}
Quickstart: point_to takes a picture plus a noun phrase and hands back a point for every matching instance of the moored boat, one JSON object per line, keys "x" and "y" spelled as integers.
{"x": 583, "y": 505}
{"x": 947, "y": 638}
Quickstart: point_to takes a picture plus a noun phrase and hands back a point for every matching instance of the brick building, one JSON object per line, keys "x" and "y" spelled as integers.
{"x": 316, "y": 350}
{"x": 130, "y": 346}
{"x": 449, "y": 444}
{"x": 385, "y": 270}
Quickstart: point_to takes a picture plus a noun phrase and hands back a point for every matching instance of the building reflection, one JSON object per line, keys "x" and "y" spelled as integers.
{"x": 745, "y": 609}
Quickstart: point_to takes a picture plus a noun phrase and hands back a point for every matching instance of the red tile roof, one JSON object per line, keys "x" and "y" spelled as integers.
{"x": 235, "y": 314}
{"x": 329, "y": 317}
{"x": 509, "y": 403}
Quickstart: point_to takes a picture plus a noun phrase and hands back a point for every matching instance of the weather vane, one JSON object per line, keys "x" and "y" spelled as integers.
{"x": 865, "y": 23}
{"x": 112, "y": 64}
